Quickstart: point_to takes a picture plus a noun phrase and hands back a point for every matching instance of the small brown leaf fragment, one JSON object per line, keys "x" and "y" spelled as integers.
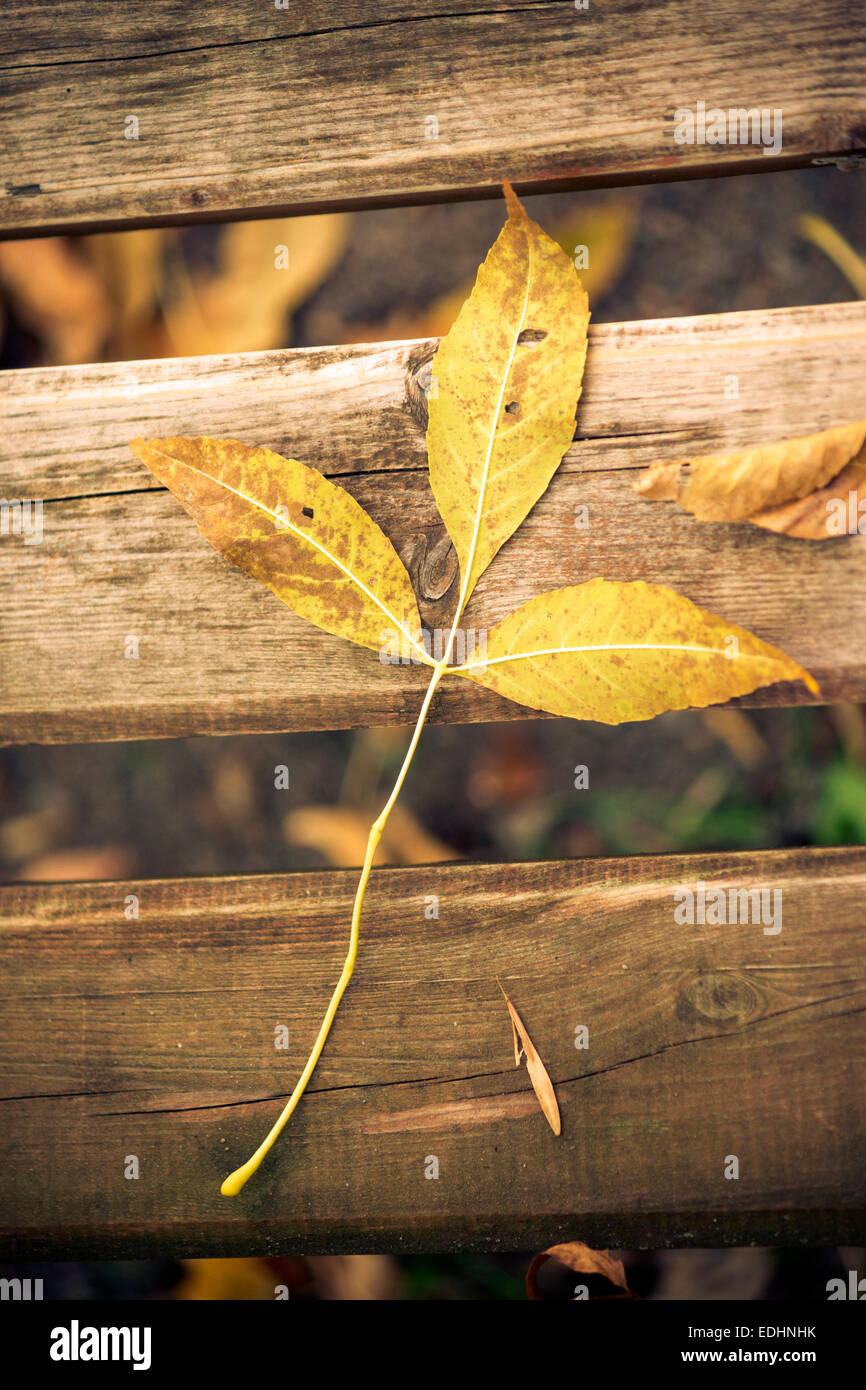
{"x": 580, "y": 1258}
{"x": 738, "y": 486}
{"x": 839, "y": 509}
{"x": 541, "y": 1082}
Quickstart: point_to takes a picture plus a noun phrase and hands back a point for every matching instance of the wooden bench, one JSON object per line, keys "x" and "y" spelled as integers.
{"x": 154, "y": 1036}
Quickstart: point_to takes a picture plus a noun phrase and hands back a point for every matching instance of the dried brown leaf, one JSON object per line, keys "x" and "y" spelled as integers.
{"x": 541, "y": 1082}
{"x": 80, "y": 865}
{"x": 738, "y": 486}
{"x": 583, "y": 1260}
{"x": 217, "y": 1279}
{"x": 355, "y": 1277}
{"x": 839, "y": 509}
{"x": 131, "y": 267}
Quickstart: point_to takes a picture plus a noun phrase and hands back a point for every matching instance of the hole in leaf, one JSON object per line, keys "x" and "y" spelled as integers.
{"x": 531, "y": 335}
{"x": 307, "y": 511}
{"x": 512, "y": 408}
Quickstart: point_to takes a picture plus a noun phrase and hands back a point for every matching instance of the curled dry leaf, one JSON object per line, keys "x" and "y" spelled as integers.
{"x": 541, "y": 1082}
{"x": 839, "y": 509}
{"x": 580, "y": 1258}
{"x": 504, "y": 390}
{"x": 291, "y": 528}
{"x": 615, "y": 652}
{"x": 740, "y": 486}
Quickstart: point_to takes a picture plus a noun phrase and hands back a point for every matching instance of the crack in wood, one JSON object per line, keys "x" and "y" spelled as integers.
{"x": 740, "y": 1028}
{"x": 147, "y": 54}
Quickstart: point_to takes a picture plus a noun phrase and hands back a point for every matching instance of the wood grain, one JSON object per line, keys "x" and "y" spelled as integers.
{"x": 219, "y": 654}
{"x": 156, "y": 1038}
{"x": 248, "y": 110}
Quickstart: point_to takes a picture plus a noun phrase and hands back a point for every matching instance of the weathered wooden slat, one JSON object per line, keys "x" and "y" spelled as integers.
{"x": 246, "y": 109}
{"x": 219, "y": 654}
{"x": 156, "y": 1038}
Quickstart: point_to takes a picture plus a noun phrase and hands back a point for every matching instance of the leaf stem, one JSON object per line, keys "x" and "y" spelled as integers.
{"x": 236, "y": 1180}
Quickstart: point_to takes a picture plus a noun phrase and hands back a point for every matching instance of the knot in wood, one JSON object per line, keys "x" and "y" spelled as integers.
{"x": 720, "y": 996}
{"x": 439, "y": 568}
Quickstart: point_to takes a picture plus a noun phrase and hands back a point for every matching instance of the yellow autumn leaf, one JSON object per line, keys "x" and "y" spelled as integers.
{"x": 286, "y": 525}
{"x": 734, "y": 487}
{"x": 538, "y": 1075}
{"x": 603, "y": 228}
{"x": 615, "y": 652}
{"x": 504, "y": 390}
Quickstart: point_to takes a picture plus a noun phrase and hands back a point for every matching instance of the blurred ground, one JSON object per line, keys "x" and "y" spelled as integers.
{"x": 694, "y": 781}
